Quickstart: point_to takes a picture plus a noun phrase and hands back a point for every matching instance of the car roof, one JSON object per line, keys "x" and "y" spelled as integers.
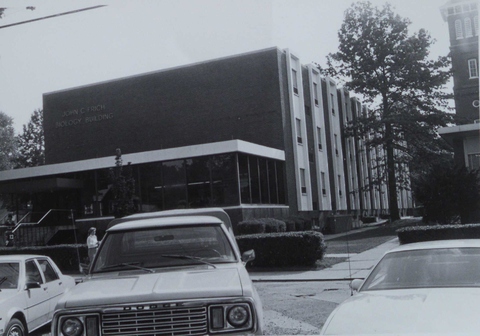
{"x": 144, "y": 223}
{"x": 20, "y": 257}
{"x": 215, "y": 212}
{"x": 434, "y": 244}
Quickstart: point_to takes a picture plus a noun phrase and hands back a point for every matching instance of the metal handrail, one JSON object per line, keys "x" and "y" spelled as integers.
{"x": 19, "y": 224}
{"x": 21, "y": 219}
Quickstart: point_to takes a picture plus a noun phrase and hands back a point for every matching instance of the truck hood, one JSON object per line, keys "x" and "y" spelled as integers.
{"x": 125, "y": 287}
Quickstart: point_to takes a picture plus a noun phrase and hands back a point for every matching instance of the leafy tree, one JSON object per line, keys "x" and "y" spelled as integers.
{"x": 123, "y": 187}
{"x": 448, "y": 193}
{"x": 8, "y": 146}
{"x": 392, "y": 71}
{"x": 31, "y": 143}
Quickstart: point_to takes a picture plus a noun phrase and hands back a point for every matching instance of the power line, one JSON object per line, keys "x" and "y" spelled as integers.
{"x": 51, "y": 16}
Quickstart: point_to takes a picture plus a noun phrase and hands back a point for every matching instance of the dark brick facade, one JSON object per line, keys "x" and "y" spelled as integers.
{"x": 232, "y": 98}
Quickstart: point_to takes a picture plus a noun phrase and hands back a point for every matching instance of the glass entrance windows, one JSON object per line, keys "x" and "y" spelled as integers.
{"x": 261, "y": 180}
{"x": 223, "y": 170}
{"x": 217, "y": 180}
{"x": 174, "y": 183}
{"x": 199, "y": 186}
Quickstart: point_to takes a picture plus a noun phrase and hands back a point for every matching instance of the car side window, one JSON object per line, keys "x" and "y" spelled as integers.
{"x": 32, "y": 272}
{"x": 48, "y": 271}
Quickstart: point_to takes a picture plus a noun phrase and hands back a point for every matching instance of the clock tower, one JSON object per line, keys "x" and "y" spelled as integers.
{"x": 462, "y": 18}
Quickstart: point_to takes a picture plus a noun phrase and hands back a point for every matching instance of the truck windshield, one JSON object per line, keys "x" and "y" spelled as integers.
{"x": 163, "y": 247}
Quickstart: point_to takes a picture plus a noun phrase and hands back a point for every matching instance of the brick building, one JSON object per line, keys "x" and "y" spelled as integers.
{"x": 258, "y": 134}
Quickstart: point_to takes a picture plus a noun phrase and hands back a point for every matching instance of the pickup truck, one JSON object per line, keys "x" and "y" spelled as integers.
{"x": 177, "y": 272}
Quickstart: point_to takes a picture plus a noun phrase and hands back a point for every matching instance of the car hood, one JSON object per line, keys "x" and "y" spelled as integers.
{"x": 420, "y": 311}
{"x": 6, "y": 294}
{"x": 125, "y": 287}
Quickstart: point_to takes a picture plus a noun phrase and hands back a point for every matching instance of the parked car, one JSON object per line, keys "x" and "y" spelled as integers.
{"x": 422, "y": 288}
{"x": 30, "y": 287}
{"x": 174, "y": 272}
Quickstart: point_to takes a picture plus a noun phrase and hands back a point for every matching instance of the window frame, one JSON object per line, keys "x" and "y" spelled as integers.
{"x": 48, "y": 271}
{"x": 472, "y": 68}
{"x": 458, "y": 29}
{"x": 294, "y": 81}
{"x": 468, "y": 27}
{"x": 303, "y": 182}
{"x": 298, "y": 129}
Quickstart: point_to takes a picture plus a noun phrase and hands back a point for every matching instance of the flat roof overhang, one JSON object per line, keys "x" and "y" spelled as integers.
{"x": 215, "y": 148}
{"x": 40, "y": 185}
{"x": 452, "y": 133}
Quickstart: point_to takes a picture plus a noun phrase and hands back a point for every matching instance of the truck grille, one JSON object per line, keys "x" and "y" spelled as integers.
{"x": 156, "y": 322}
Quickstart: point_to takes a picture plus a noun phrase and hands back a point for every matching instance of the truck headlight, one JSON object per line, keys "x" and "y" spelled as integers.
{"x": 237, "y": 316}
{"x": 72, "y": 326}
{"x": 78, "y": 325}
{"x": 230, "y": 317}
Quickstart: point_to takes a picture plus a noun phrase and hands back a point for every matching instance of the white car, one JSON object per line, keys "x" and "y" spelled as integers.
{"x": 164, "y": 273}
{"x": 30, "y": 287}
{"x": 429, "y": 288}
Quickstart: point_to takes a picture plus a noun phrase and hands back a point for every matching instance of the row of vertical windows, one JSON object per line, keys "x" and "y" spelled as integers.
{"x": 464, "y": 30}
{"x": 459, "y": 8}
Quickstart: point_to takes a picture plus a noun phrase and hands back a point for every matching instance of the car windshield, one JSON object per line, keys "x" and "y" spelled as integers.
{"x": 151, "y": 248}
{"x": 445, "y": 267}
{"x": 9, "y": 275}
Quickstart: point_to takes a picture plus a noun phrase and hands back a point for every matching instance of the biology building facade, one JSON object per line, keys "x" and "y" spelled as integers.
{"x": 257, "y": 134}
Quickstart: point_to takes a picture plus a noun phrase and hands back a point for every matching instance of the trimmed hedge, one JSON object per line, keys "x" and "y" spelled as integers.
{"x": 284, "y": 249}
{"x": 269, "y": 225}
{"x": 65, "y": 256}
{"x": 414, "y": 234}
{"x": 251, "y": 227}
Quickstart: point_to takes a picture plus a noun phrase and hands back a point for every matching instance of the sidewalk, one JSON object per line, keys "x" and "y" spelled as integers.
{"x": 357, "y": 266}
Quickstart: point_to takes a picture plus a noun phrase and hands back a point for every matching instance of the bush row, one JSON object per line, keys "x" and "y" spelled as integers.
{"x": 413, "y": 234}
{"x": 65, "y": 256}
{"x": 270, "y": 225}
{"x": 284, "y": 249}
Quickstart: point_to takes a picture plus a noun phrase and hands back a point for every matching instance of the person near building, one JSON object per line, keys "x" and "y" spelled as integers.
{"x": 92, "y": 243}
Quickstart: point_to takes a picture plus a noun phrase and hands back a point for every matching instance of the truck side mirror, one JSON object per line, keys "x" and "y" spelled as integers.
{"x": 248, "y": 256}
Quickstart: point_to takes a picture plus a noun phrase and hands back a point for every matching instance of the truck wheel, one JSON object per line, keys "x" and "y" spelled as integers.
{"x": 15, "y": 328}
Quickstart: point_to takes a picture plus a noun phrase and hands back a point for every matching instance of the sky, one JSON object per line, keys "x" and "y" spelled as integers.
{"x": 131, "y": 37}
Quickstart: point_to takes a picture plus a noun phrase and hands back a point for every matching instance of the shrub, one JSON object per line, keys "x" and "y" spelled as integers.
{"x": 413, "y": 234}
{"x": 251, "y": 226}
{"x": 65, "y": 256}
{"x": 274, "y": 225}
{"x": 284, "y": 249}
{"x": 290, "y": 224}
{"x": 447, "y": 193}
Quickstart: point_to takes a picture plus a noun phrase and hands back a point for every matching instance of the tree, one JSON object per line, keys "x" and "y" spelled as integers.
{"x": 392, "y": 71}
{"x": 448, "y": 193}
{"x": 31, "y": 143}
{"x": 123, "y": 187}
{"x": 8, "y": 146}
